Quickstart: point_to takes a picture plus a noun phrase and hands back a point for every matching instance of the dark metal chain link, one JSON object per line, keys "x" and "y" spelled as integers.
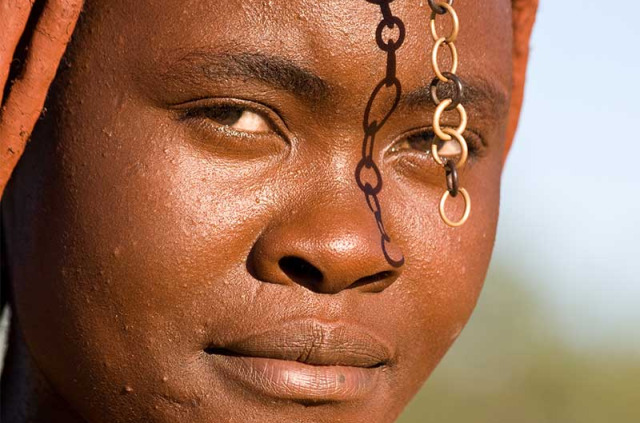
{"x": 456, "y": 97}
{"x": 438, "y": 9}
{"x": 372, "y": 124}
{"x": 452, "y": 177}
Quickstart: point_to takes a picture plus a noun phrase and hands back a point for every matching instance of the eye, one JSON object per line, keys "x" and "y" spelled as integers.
{"x": 233, "y": 128}
{"x": 237, "y": 118}
{"x": 421, "y": 141}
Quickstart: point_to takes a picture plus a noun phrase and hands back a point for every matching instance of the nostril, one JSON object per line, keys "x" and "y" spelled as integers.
{"x": 301, "y": 271}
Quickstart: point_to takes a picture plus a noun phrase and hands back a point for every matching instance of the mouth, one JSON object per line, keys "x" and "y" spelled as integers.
{"x": 306, "y": 361}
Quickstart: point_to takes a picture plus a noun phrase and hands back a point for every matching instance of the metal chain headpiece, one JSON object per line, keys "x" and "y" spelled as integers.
{"x": 373, "y": 124}
{"x": 444, "y": 134}
{"x": 390, "y": 82}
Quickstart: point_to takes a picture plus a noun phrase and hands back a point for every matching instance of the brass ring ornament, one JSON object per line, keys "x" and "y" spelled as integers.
{"x": 465, "y": 214}
{"x": 434, "y": 58}
{"x": 453, "y": 36}
{"x": 437, "y": 115}
{"x": 464, "y": 149}
{"x": 448, "y": 134}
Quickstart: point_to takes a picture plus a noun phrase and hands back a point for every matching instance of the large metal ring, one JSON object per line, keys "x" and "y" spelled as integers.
{"x": 458, "y": 93}
{"x": 464, "y": 154}
{"x": 437, "y": 129}
{"x": 434, "y": 58}
{"x": 454, "y": 19}
{"x": 390, "y": 45}
{"x": 465, "y": 215}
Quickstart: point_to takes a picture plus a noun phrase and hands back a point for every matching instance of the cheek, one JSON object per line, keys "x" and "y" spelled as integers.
{"x": 134, "y": 271}
{"x": 446, "y": 267}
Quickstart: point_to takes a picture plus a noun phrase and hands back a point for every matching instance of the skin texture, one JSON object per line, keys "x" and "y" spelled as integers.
{"x": 139, "y": 233}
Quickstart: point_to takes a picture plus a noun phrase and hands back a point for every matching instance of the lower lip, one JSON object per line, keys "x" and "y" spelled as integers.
{"x": 296, "y": 381}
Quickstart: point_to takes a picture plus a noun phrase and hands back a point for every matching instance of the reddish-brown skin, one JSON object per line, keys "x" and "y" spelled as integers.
{"x": 137, "y": 237}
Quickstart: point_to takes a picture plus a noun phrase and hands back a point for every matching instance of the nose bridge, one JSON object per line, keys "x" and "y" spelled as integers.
{"x": 343, "y": 238}
{"x": 330, "y": 242}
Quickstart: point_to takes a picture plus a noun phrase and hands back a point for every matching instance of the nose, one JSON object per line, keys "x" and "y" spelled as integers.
{"x": 326, "y": 251}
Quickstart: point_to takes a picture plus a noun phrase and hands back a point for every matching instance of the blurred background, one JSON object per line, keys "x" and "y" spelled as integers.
{"x": 556, "y": 334}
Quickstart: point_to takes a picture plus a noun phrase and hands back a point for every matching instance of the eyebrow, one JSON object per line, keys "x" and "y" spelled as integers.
{"x": 276, "y": 71}
{"x": 487, "y": 97}
{"x": 200, "y": 66}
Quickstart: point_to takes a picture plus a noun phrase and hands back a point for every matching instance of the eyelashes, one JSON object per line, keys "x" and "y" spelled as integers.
{"x": 422, "y": 139}
{"x": 245, "y": 119}
{"x": 233, "y": 119}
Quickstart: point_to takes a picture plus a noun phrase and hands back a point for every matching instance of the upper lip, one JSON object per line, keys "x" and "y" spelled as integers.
{"x": 312, "y": 342}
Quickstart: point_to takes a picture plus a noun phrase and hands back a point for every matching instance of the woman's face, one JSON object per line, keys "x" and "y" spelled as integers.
{"x": 186, "y": 237}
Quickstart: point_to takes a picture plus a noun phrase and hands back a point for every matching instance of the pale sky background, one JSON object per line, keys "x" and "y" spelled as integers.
{"x": 570, "y": 217}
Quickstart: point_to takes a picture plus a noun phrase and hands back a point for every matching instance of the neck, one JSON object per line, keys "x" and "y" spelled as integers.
{"x": 27, "y": 396}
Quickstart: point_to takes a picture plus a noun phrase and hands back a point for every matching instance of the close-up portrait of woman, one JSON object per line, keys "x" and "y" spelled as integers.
{"x": 247, "y": 211}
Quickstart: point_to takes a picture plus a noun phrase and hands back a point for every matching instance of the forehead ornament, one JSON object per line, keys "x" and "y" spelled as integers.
{"x": 368, "y": 175}
{"x": 445, "y": 134}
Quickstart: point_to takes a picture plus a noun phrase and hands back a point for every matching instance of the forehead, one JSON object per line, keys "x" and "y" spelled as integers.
{"x": 334, "y": 38}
